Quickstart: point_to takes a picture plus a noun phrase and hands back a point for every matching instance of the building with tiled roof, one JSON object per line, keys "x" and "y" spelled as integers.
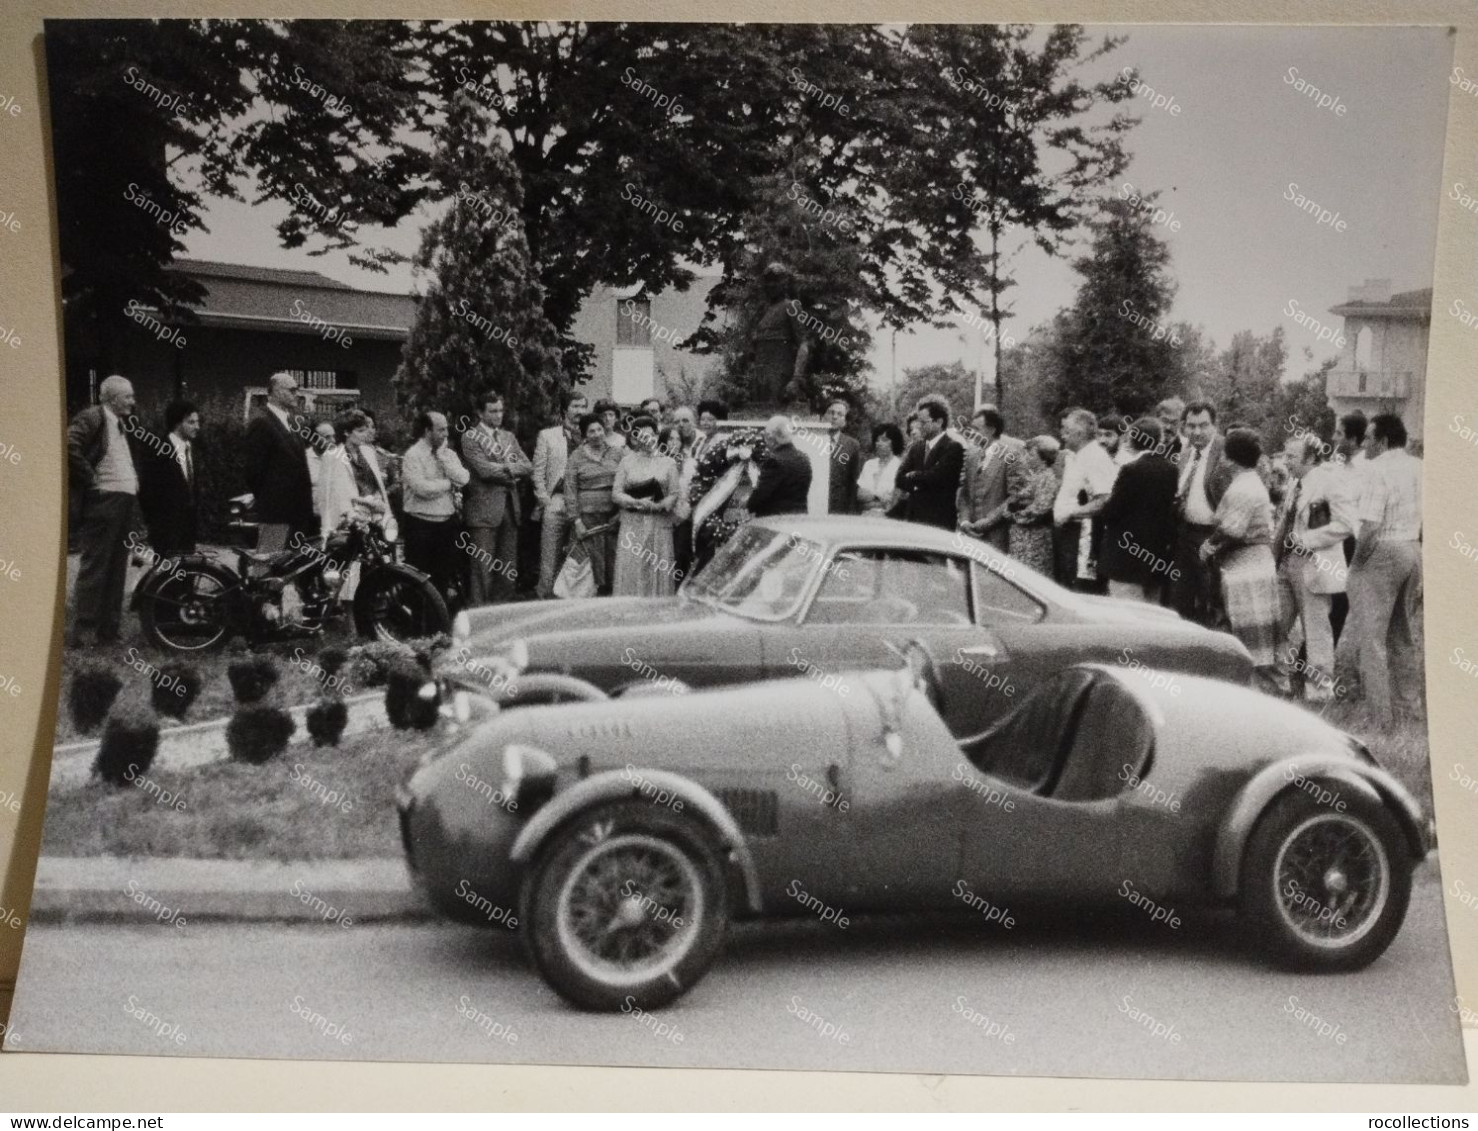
{"x": 1383, "y": 363}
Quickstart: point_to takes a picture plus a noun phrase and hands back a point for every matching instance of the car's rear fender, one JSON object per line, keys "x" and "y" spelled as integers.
{"x": 1373, "y": 784}
{"x": 618, "y": 785}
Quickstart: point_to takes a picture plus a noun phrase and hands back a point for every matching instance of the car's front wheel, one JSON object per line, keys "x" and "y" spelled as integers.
{"x": 626, "y": 907}
{"x": 1325, "y": 887}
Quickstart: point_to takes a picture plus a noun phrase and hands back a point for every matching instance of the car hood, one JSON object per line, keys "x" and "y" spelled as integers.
{"x": 494, "y": 625}
{"x": 1116, "y": 610}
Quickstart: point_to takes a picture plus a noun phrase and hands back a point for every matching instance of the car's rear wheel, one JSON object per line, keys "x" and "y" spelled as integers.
{"x": 626, "y": 907}
{"x": 1325, "y": 889}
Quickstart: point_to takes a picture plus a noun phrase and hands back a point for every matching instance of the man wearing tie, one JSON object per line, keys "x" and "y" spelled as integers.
{"x": 490, "y": 509}
{"x": 103, "y": 505}
{"x": 985, "y": 483}
{"x": 276, "y": 458}
{"x": 1204, "y": 475}
{"x": 846, "y": 462}
{"x": 171, "y": 495}
{"x": 929, "y": 477}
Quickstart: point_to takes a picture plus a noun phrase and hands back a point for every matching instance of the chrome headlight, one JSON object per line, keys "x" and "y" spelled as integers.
{"x": 528, "y": 776}
{"x": 391, "y": 529}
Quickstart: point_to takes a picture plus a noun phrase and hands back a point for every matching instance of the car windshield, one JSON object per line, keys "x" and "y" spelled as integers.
{"x": 758, "y": 573}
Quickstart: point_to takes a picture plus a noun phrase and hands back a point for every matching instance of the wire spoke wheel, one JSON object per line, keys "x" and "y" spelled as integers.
{"x": 403, "y": 608}
{"x": 1331, "y": 879}
{"x": 188, "y": 613}
{"x": 629, "y": 908}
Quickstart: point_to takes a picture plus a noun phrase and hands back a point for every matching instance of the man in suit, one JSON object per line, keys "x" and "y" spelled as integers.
{"x": 170, "y": 495}
{"x": 490, "y": 509}
{"x": 1318, "y": 513}
{"x": 985, "y": 482}
{"x": 785, "y": 475}
{"x": 551, "y": 453}
{"x": 1088, "y": 475}
{"x": 686, "y": 422}
{"x": 103, "y": 505}
{"x": 846, "y": 462}
{"x": 1204, "y": 476}
{"x": 1170, "y": 412}
{"x": 276, "y": 458}
{"x": 928, "y": 479}
{"x": 1136, "y": 552}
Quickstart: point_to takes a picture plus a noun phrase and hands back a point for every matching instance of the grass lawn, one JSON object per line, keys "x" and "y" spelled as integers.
{"x": 240, "y": 812}
{"x": 1405, "y": 751}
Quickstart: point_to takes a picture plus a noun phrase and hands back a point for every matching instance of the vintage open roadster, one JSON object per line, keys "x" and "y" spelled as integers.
{"x": 620, "y": 836}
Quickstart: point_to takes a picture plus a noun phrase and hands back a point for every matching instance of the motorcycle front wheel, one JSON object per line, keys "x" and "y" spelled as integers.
{"x": 188, "y": 609}
{"x": 397, "y": 603}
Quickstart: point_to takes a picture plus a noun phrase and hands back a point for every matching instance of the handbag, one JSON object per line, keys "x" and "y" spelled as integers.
{"x": 576, "y": 578}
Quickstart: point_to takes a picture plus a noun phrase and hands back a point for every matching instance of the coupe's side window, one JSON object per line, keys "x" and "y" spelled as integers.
{"x": 997, "y": 599}
{"x": 893, "y": 587}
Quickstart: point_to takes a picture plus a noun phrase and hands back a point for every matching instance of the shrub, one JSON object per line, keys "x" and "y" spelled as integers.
{"x": 404, "y": 706}
{"x": 372, "y": 662}
{"x": 258, "y": 733}
{"x": 93, "y": 688}
{"x": 332, "y": 659}
{"x": 130, "y": 741}
{"x": 252, "y": 678}
{"x": 177, "y": 687}
{"x": 326, "y": 721}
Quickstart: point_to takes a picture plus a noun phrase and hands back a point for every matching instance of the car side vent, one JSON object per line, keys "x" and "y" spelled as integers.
{"x": 756, "y": 810}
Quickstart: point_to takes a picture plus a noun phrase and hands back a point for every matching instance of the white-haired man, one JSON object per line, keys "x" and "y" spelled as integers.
{"x": 276, "y": 461}
{"x": 103, "y": 504}
{"x": 785, "y": 475}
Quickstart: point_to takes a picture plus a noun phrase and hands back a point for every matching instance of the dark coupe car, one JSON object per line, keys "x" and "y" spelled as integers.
{"x": 811, "y": 595}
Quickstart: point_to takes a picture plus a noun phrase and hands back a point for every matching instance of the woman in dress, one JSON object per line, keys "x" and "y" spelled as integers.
{"x": 350, "y": 480}
{"x": 646, "y": 490}
{"x": 876, "y": 484}
{"x": 1241, "y": 546}
{"x": 1029, "y": 507}
{"x": 589, "y": 476}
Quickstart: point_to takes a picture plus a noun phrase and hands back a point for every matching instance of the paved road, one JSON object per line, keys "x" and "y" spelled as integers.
{"x": 897, "y": 988}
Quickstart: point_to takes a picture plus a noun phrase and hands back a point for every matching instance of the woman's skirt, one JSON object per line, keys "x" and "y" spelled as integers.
{"x": 1032, "y": 546}
{"x": 644, "y": 556}
{"x": 1249, "y": 588}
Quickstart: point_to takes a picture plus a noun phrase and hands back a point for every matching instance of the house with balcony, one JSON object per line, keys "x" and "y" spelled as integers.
{"x": 1383, "y": 364}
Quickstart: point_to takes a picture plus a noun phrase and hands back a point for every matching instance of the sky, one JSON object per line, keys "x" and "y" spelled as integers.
{"x": 1223, "y": 165}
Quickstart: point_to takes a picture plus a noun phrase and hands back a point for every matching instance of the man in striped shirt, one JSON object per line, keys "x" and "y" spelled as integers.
{"x": 1386, "y": 574}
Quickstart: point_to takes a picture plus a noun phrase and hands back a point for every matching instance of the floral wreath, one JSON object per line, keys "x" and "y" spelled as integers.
{"x": 745, "y": 444}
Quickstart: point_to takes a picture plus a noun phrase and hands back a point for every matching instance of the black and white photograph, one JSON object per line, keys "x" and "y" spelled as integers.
{"x": 840, "y": 547}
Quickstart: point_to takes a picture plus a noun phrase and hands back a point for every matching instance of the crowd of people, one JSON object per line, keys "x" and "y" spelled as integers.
{"x": 1309, "y": 554}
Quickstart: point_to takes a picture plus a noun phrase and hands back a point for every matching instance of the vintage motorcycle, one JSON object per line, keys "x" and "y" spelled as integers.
{"x": 196, "y": 603}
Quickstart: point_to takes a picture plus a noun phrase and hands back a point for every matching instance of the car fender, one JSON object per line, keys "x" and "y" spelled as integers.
{"x": 1371, "y": 783}
{"x": 612, "y": 785}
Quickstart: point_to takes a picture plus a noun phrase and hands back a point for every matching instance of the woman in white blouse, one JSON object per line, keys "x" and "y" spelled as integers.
{"x": 350, "y": 478}
{"x": 875, "y": 486}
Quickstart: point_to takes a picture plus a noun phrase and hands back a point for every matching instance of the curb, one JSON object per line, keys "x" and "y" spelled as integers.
{"x": 175, "y": 892}
{"x": 198, "y": 744}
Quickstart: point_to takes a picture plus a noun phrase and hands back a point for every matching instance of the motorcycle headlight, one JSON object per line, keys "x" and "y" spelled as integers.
{"x": 390, "y": 529}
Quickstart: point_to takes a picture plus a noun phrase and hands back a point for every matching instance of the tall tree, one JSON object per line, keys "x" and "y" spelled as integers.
{"x": 480, "y": 322}
{"x": 953, "y": 382}
{"x": 1246, "y": 380}
{"x": 1115, "y": 347}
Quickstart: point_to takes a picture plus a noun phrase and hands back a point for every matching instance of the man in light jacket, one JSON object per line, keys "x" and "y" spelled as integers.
{"x": 551, "y": 452}
{"x": 432, "y": 475}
